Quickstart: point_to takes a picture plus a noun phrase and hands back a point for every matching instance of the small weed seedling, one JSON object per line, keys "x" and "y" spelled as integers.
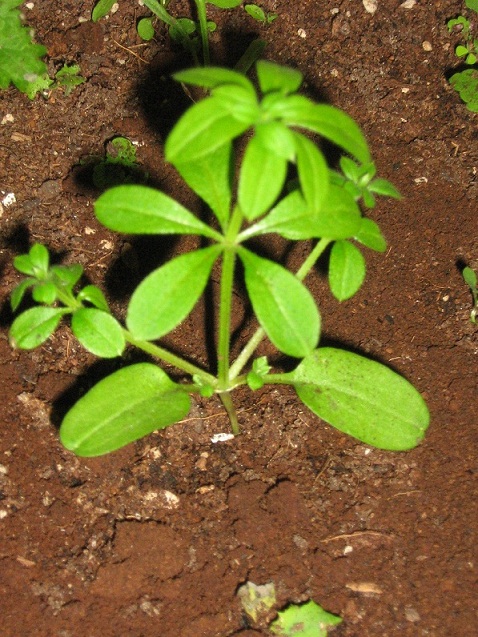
{"x": 470, "y": 278}
{"x": 118, "y": 167}
{"x": 256, "y": 12}
{"x": 357, "y": 396}
{"x": 304, "y": 620}
{"x": 466, "y": 81}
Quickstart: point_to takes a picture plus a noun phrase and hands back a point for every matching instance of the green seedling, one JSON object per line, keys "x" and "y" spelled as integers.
{"x": 256, "y": 12}
{"x": 354, "y": 394}
{"x": 68, "y": 77}
{"x": 465, "y": 82}
{"x": 119, "y": 166}
{"x": 305, "y": 620}
{"x": 470, "y": 278}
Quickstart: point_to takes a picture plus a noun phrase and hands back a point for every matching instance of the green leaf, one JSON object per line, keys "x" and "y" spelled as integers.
{"x": 340, "y": 215}
{"x": 66, "y": 276}
{"x": 385, "y": 188}
{"x": 346, "y": 270}
{"x": 261, "y": 179}
{"x": 205, "y": 127}
{"x": 255, "y": 12}
{"x": 95, "y": 296}
{"x": 168, "y": 294}
{"x": 45, "y": 292}
{"x": 225, "y": 4}
{"x": 328, "y": 121}
{"x": 20, "y": 58}
{"x": 101, "y": 8}
{"x": 68, "y": 77}
{"x": 277, "y": 138}
{"x": 305, "y": 620}
{"x": 131, "y": 403}
{"x": 370, "y": 235}
{"x": 283, "y": 305}
{"x": 472, "y": 4}
{"x": 212, "y": 76}
{"x": 362, "y": 398}
{"x": 210, "y": 177}
{"x": 145, "y": 29}
{"x": 39, "y": 257}
{"x": 98, "y": 332}
{"x": 142, "y": 210}
{"x": 469, "y": 276}
{"x": 34, "y": 326}
{"x": 313, "y": 173}
{"x": 274, "y": 77}
{"x": 19, "y": 292}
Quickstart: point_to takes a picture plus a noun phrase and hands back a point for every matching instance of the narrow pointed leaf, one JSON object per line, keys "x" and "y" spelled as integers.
{"x": 328, "y": 121}
{"x": 34, "y": 326}
{"x": 143, "y": 210}
{"x": 131, "y": 403}
{"x": 210, "y": 77}
{"x": 313, "y": 172}
{"x": 283, "y": 305}
{"x": 346, "y": 270}
{"x": 98, "y": 332}
{"x": 210, "y": 177}
{"x": 168, "y": 294}
{"x": 261, "y": 179}
{"x": 95, "y": 296}
{"x": 362, "y": 398}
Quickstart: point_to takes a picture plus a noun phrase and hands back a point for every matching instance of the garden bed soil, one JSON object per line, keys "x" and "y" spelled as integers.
{"x": 155, "y": 539}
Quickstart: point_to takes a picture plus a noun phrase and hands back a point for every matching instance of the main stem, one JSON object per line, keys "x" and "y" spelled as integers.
{"x": 201, "y": 9}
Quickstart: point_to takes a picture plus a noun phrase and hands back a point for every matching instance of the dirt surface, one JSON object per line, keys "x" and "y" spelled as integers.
{"x": 155, "y": 540}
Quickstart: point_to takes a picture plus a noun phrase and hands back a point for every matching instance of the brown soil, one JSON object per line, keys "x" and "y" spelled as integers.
{"x": 155, "y": 540}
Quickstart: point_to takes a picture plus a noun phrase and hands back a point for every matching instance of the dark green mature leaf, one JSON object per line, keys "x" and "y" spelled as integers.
{"x": 143, "y": 210}
{"x": 346, "y": 270}
{"x": 261, "y": 179}
{"x": 210, "y": 177}
{"x": 34, "y": 326}
{"x": 313, "y": 173}
{"x": 207, "y": 126}
{"x": 168, "y": 294}
{"x": 98, "y": 332}
{"x": 328, "y": 121}
{"x": 362, "y": 398}
{"x": 283, "y": 305}
{"x": 131, "y": 403}
{"x": 274, "y": 77}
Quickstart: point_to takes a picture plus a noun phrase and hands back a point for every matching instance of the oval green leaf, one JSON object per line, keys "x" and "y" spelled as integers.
{"x": 143, "y": 210}
{"x": 346, "y": 270}
{"x": 34, "y": 326}
{"x": 129, "y": 404}
{"x": 98, "y": 332}
{"x": 283, "y": 305}
{"x": 168, "y": 294}
{"x": 370, "y": 235}
{"x": 362, "y": 398}
{"x": 313, "y": 173}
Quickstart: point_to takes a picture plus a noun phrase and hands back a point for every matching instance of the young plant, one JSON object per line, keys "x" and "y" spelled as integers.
{"x": 357, "y": 396}
{"x": 256, "y": 12}
{"x": 465, "y": 82}
{"x": 305, "y": 620}
{"x": 470, "y": 278}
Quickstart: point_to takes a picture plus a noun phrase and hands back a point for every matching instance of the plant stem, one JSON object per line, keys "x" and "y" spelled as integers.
{"x": 259, "y": 334}
{"x": 160, "y": 11}
{"x": 169, "y": 357}
{"x": 201, "y": 9}
{"x": 231, "y": 412}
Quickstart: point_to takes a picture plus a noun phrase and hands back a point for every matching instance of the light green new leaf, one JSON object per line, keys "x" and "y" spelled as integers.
{"x": 277, "y": 138}
{"x": 328, "y": 121}
{"x": 225, "y": 4}
{"x": 346, "y": 270}
{"x": 340, "y": 215}
{"x": 167, "y": 295}
{"x": 274, "y": 77}
{"x": 101, "y": 8}
{"x": 305, "y": 620}
{"x": 98, "y": 332}
{"x": 131, "y": 403}
{"x": 95, "y": 296}
{"x": 19, "y": 292}
{"x": 370, "y": 235}
{"x": 313, "y": 172}
{"x": 362, "y": 398}
{"x": 283, "y": 305}
{"x": 34, "y": 326}
{"x": 261, "y": 179}
{"x": 210, "y": 177}
{"x": 143, "y": 210}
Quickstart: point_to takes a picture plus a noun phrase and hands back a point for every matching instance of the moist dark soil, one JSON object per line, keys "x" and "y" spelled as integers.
{"x": 156, "y": 539}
